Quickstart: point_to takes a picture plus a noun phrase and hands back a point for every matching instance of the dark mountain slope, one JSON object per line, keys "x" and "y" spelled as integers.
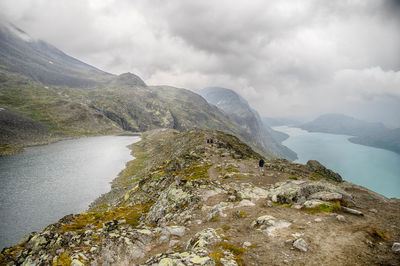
{"x": 240, "y": 111}
{"x": 43, "y": 62}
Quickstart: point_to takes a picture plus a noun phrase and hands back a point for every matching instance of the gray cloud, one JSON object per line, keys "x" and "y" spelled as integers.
{"x": 287, "y": 58}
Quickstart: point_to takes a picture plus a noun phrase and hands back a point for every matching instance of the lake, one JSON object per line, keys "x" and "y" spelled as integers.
{"x": 44, "y": 183}
{"x": 373, "y": 168}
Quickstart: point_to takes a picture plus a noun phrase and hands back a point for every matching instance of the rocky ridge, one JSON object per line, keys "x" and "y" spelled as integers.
{"x": 184, "y": 201}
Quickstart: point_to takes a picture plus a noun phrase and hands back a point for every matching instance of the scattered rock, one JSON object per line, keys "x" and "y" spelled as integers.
{"x": 341, "y": 218}
{"x": 300, "y": 244}
{"x": 396, "y": 247}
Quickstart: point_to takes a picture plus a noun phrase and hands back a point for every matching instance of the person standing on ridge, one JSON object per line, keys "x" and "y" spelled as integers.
{"x": 261, "y": 165}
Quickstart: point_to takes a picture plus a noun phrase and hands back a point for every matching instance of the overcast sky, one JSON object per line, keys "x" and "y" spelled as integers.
{"x": 296, "y": 58}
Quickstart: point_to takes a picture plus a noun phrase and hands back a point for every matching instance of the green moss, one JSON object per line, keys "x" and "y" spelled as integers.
{"x": 8, "y": 149}
{"x": 131, "y": 214}
{"x": 194, "y": 172}
{"x": 316, "y": 176}
{"x": 240, "y": 214}
{"x": 293, "y": 178}
{"x": 218, "y": 252}
{"x": 325, "y": 208}
{"x": 63, "y": 260}
{"x": 226, "y": 227}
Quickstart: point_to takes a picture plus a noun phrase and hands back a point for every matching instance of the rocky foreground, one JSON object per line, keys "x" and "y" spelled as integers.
{"x": 187, "y": 202}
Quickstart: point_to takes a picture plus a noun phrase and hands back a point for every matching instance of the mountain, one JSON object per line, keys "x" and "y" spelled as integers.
{"x": 342, "y": 124}
{"x": 240, "y": 111}
{"x": 185, "y": 202}
{"x": 40, "y": 83}
{"x": 388, "y": 139}
{"x": 42, "y": 62}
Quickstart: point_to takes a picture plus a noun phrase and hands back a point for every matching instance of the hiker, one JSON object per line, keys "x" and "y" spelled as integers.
{"x": 261, "y": 165}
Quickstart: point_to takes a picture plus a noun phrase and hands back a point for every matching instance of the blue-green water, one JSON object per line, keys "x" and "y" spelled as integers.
{"x": 44, "y": 183}
{"x": 373, "y": 168}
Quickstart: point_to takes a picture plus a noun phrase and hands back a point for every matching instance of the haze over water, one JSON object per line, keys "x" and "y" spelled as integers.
{"x": 44, "y": 183}
{"x": 373, "y": 168}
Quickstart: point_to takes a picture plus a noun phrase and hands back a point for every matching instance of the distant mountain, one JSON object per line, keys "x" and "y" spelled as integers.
{"x": 240, "y": 111}
{"x": 42, "y": 62}
{"x": 388, "y": 139}
{"x": 342, "y": 124}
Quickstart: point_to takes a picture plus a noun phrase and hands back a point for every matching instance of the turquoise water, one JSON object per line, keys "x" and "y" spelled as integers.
{"x": 373, "y": 168}
{"x": 44, "y": 183}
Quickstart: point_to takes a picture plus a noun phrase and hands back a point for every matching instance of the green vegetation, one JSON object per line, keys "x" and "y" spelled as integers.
{"x": 218, "y": 252}
{"x": 293, "y": 178}
{"x": 286, "y": 205}
{"x": 8, "y": 149}
{"x": 63, "y": 260}
{"x": 131, "y": 214}
{"x": 325, "y": 208}
{"x": 376, "y": 233}
{"x": 195, "y": 171}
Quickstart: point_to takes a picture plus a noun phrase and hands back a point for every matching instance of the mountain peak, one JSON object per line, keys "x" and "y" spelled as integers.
{"x": 129, "y": 79}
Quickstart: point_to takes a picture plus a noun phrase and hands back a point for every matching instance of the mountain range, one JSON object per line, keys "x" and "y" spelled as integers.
{"x": 364, "y": 133}
{"x": 67, "y": 98}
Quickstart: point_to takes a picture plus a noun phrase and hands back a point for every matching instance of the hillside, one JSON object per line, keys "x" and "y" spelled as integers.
{"x": 388, "y": 139}
{"x": 185, "y": 202}
{"x": 42, "y": 62}
{"x": 240, "y": 111}
{"x": 344, "y": 125}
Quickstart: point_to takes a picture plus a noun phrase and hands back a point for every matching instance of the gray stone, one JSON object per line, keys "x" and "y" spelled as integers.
{"x": 396, "y": 247}
{"x": 341, "y": 218}
{"x": 300, "y": 244}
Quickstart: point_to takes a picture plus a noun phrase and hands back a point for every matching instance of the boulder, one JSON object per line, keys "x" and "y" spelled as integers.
{"x": 318, "y": 168}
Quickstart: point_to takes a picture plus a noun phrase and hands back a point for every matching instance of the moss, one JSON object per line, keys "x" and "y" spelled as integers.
{"x": 131, "y": 214}
{"x": 8, "y": 149}
{"x": 194, "y": 172}
{"x": 293, "y": 178}
{"x": 215, "y": 218}
{"x": 226, "y": 227}
{"x": 232, "y": 170}
{"x": 316, "y": 176}
{"x": 325, "y": 208}
{"x": 218, "y": 252}
{"x": 63, "y": 260}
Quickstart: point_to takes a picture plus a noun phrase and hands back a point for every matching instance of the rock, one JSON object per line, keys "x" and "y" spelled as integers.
{"x": 324, "y": 195}
{"x": 300, "y": 244}
{"x": 166, "y": 262}
{"x": 76, "y": 263}
{"x": 269, "y": 204}
{"x": 318, "y": 220}
{"x": 176, "y": 230}
{"x": 373, "y": 210}
{"x": 315, "y": 166}
{"x": 203, "y": 238}
{"x": 264, "y": 220}
{"x": 341, "y": 218}
{"x": 314, "y": 203}
{"x": 245, "y": 203}
{"x": 246, "y": 244}
{"x": 396, "y": 247}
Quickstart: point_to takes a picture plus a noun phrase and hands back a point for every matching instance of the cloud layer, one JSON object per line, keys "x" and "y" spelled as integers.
{"x": 287, "y": 58}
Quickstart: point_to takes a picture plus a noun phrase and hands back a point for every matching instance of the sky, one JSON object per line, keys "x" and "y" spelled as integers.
{"x": 289, "y": 58}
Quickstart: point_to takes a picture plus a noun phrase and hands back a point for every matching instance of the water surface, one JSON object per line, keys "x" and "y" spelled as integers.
{"x": 44, "y": 183}
{"x": 374, "y": 168}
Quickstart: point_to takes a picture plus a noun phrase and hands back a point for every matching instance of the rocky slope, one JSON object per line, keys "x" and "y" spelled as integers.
{"x": 186, "y": 202}
{"x": 248, "y": 118}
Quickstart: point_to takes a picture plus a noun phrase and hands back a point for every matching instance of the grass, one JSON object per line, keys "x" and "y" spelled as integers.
{"x": 376, "y": 233}
{"x": 131, "y": 214}
{"x": 325, "y": 208}
{"x": 287, "y": 205}
{"x": 293, "y": 178}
